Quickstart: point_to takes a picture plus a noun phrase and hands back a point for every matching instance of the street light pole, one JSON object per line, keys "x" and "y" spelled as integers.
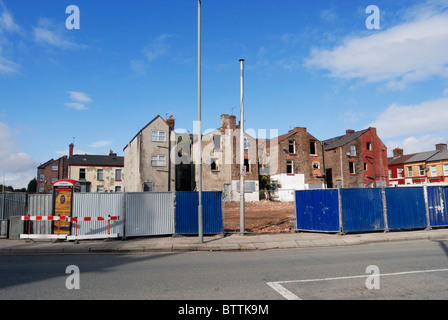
{"x": 200, "y": 218}
{"x": 242, "y": 171}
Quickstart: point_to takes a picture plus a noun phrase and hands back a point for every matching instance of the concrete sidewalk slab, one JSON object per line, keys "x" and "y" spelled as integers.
{"x": 232, "y": 242}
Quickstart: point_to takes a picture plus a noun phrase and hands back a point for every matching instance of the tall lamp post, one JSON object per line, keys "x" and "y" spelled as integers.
{"x": 242, "y": 167}
{"x": 200, "y": 218}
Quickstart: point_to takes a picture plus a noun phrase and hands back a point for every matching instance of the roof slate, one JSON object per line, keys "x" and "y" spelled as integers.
{"x": 340, "y": 141}
{"x": 96, "y": 160}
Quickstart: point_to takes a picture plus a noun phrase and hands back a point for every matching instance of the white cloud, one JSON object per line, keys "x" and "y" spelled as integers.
{"x": 101, "y": 143}
{"x": 412, "y": 51}
{"x": 46, "y": 33}
{"x": 7, "y": 24}
{"x": 19, "y": 167}
{"x": 7, "y": 66}
{"x": 79, "y": 100}
{"x": 138, "y": 67}
{"x": 75, "y": 105}
{"x": 79, "y": 96}
{"x": 157, "y": 47}
{"x": 426, "y": 117}
{"x": 414, "y": 144}
{"x": 6, "y": 20}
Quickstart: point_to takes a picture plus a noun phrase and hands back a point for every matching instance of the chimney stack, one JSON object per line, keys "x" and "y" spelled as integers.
{"x": 349, "y": 131}
{"x": 228, "y": 121}
{"x": 70, "y": 152}
{"x": 398, "y": 152}
{"x": 441, "y": 147}
{"x": 170, "y": 122}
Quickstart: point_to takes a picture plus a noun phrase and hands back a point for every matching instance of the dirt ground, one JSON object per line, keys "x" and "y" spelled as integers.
{"x": 262, "y": 216}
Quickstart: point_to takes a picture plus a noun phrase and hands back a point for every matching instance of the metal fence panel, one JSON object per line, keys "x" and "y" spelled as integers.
{"x": 437, "y": 206}
{"x": 97, "y": 205}
{"x": 12, "y": 204}
{"x": 317, "y": 210}
{"x": 149, "y": 213}
{"x": 187, "y": 203}
{"x": 406, "y": 208}
{"x": 362, "y": 209}
{"x": 40, "y": 205}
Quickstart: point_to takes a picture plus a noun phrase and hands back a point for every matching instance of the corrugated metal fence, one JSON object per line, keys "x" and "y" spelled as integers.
{"x": 12, "y": 204}
{"x": 371, "y": 209}
{"x": 139, "y": 214}
{"x": 150, "y": 213}
{"x": 96, "y": 205}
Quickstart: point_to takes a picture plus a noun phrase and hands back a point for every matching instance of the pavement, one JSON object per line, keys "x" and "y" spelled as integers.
{"x": 231, "y": 242}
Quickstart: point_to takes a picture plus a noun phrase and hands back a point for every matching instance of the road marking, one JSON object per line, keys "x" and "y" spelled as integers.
{"x": 278, "y": 285}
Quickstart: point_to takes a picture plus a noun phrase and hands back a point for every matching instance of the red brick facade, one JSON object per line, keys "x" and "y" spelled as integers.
{"x": 357, "y": 159}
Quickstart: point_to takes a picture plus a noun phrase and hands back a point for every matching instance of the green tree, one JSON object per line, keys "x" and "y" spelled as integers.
{"x": 32, "y": 186}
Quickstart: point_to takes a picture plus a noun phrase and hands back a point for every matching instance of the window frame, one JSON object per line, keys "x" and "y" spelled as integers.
{"x": 156, "y": 160}
{"x": 158, "y": 136}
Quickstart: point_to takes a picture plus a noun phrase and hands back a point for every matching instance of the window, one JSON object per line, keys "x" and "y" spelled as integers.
{"x": 216, "y": 142}
{"x": 147, "y": 187}
{"x": 158, "y": 160}
{"x": 289, "y": 167}
{"x": 117, "y": 174}
{"x": 351, "y": 167}
{"x": 316, "y": 165}
{"x": 421, "y": 170}
{"x": 410, "y": 174}
{"x": 246, "y": 143}
{"x": 158, "y": 136}
{"x": 41, "y": 189}
{"x": 213, "y": 164}
{"x": 117, "y": 189}
{"x": 82, "y": 174}
{"x": 41, "y": 177}
{"x": 433, "y": 171}
{"x": 400, "y": 172}
{"x": 390, "y": 173}
{"x": 54, "y": 168}
{"x": 353, "y": 150}
{"x": 100, "y": 189}
{"x": 247, "y": 165}
{"x": 313, "y": 147}
{"x": 292, "y": 146}
{"x": 365, "y": 166}
{"x": 445, "y": 169}
{"x": 369, "y": 145}
{"x": 53, "y": 180}
{"x": 100, "y": 174}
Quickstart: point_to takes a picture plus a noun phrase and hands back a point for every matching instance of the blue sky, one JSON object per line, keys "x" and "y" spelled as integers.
{"x": 310, "y": 64}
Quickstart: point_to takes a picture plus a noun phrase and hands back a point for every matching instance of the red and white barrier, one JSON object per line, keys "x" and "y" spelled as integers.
{"x": 99, "y": 236}
{"x": 68, "y": 219}
{"x": 42, "y": 218}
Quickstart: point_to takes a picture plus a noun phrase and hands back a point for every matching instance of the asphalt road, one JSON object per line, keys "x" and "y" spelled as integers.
{"x": 407, "y": 271}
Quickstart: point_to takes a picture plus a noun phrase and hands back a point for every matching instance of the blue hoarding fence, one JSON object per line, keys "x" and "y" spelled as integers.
{"x": 362, "y": 210}
{"x": 371, "y": 209}
{"x": 187, "y": 203}
{"x": 319, "y": 210}
{"x": 406, "y": 208}
{"x": 437, "y": 205}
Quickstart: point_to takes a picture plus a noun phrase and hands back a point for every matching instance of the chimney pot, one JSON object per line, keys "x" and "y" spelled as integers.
{"x": 70, "y": 153}
{"x": 170, "y": 122}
